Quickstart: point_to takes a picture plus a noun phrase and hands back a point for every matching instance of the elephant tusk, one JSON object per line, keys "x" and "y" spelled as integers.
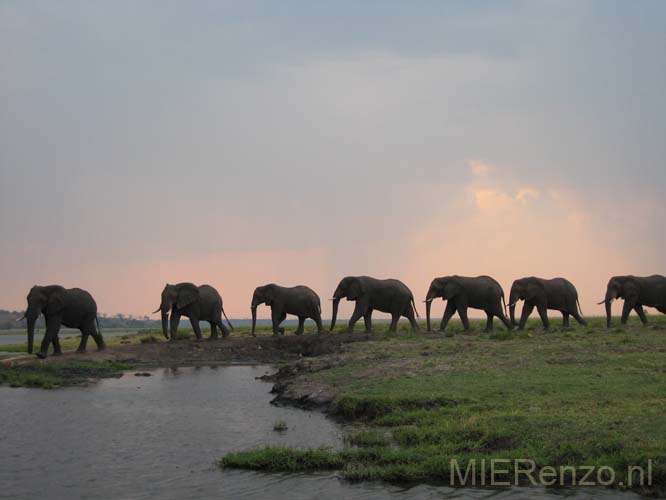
{"x": 156, "y": 310}
{"x": 427, "y": 300}
{"x": 21, "y": 318}
{"x": 603, "y": 301}
{"x": 511, "y": 305}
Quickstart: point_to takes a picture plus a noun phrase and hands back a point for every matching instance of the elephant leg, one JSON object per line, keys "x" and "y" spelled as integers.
{"x": 565, "y": 319}
{"x": 195, "y": 326}
{"x": 356, "y": 315}
{"x": 223, "y": 328}
{"x": 316, "y": 316}
{"x": 97, "y": 337}
{"x": 544, "y": 316}
{"x": 367, "y": 319}
{"x": 579, "y": 318}
{"x": 301, "y": 325}
{"x": 462, "y": 312}
{"x": 641, "y": 313}
{"x": 85, "y": 331}
{"x": 213, "y": 330}
{"x": 52, "y": 329}
{"x": 527, "y": 310}
{"x": 449, "y": 311}
{"x": 174, "y": 320}
{"x": 499, "y": 312}
{"x": 489, "y": 322}
{"x": 57, "y": 350}
{"x": 277, "y": 317}
{"x": 626, "y": 309}
{"x": 394, "y": 322}
{"x": 409, "y": 314}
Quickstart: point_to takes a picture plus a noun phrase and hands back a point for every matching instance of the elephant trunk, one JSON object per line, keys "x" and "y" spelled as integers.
{"x": 165, "y": 307}
{"x": 608, "y": 311}
{"x": 32, "y": 319}
{"x": 336, "y": 303}
{"x": 610, "y": 297}
{"x": 428, "y": 304}
{"x": 165, "y": 323}
{"x": 254, "y": 319}
{"x": 513, "y": 298}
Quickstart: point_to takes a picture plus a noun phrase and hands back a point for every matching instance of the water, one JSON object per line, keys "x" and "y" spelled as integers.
{"x": 159, "y": 437}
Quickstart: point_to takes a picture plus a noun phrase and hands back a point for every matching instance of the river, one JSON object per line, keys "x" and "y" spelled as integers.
{"x": 160, "y": 436}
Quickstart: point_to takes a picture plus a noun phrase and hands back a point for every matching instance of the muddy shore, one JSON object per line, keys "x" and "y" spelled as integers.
{"x": 299, "y": 355}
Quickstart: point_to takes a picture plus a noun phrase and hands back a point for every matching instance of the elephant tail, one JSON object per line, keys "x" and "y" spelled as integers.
{"x": 579, "y": 308}
{"x": 225, "y": 317}
{"x": 414, "y": 307}
{"x": 504, "y": 303}
{"x": 99, "y": 330}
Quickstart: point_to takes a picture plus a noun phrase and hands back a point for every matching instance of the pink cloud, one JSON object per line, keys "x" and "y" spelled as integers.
{"x": 510, "y": 235}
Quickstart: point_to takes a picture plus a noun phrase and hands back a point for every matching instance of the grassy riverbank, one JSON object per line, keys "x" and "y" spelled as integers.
{"x": 580, "y": 396}
{"x": 54, "y": 375}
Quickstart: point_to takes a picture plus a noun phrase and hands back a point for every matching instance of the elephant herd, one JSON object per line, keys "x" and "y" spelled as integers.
{"x": 76, "y": 308}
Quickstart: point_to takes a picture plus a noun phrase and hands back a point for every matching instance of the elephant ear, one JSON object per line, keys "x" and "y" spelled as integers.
{"x": 451, "y": 289}
{"x": 187, "y": 295}
{"x": 269, "y": 294}
{"x": 356, "y": 289}
{"x": 55, "y": 303}
{"x": 631, "y": 289}
{"x": 534, "y": 292}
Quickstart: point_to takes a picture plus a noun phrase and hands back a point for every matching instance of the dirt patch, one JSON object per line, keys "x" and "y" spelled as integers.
{"x": 232, "y": 350}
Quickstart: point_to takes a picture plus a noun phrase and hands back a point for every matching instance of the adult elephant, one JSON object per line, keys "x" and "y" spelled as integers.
{"x": 298, "y": 300}
{"x": 637, "y": 291}
{"x": 389, "y": 296}
{"x": 461, "y": 292}
{"x": 70, "y": 307}
{"x": 199, "y": 303}
{"x": 558, "y": 294}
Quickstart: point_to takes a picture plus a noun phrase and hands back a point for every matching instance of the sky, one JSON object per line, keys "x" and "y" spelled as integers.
{"x": 297, "y": 142}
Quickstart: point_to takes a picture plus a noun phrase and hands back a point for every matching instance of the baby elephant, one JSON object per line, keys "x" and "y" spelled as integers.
{"x": 557, "y": 294}
{"x": 298, "y": 300}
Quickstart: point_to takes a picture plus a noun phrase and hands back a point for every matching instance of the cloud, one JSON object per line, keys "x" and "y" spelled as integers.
{"x": 494, "y": 199}
{"x": 538, "y": 231}
{"x": 478, "y": 168}
{"x": 188, "y": 136}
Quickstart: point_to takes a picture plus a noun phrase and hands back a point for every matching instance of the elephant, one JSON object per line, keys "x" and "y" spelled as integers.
{"x": 558, "y": 294}
{"x": 199, "y": 303}
{"x": 461, "y": 292}
{"x": 298, "y": 300}
{"x": 637, "y": 291}
{"x": 386, "y": 295}
{"x": 70, "y": 307}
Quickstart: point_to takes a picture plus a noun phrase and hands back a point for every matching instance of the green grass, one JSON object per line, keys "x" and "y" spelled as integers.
{"x": 367, "y": 438}
{"x": 574, "y": 396}
{"x": 53, "y": 375}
